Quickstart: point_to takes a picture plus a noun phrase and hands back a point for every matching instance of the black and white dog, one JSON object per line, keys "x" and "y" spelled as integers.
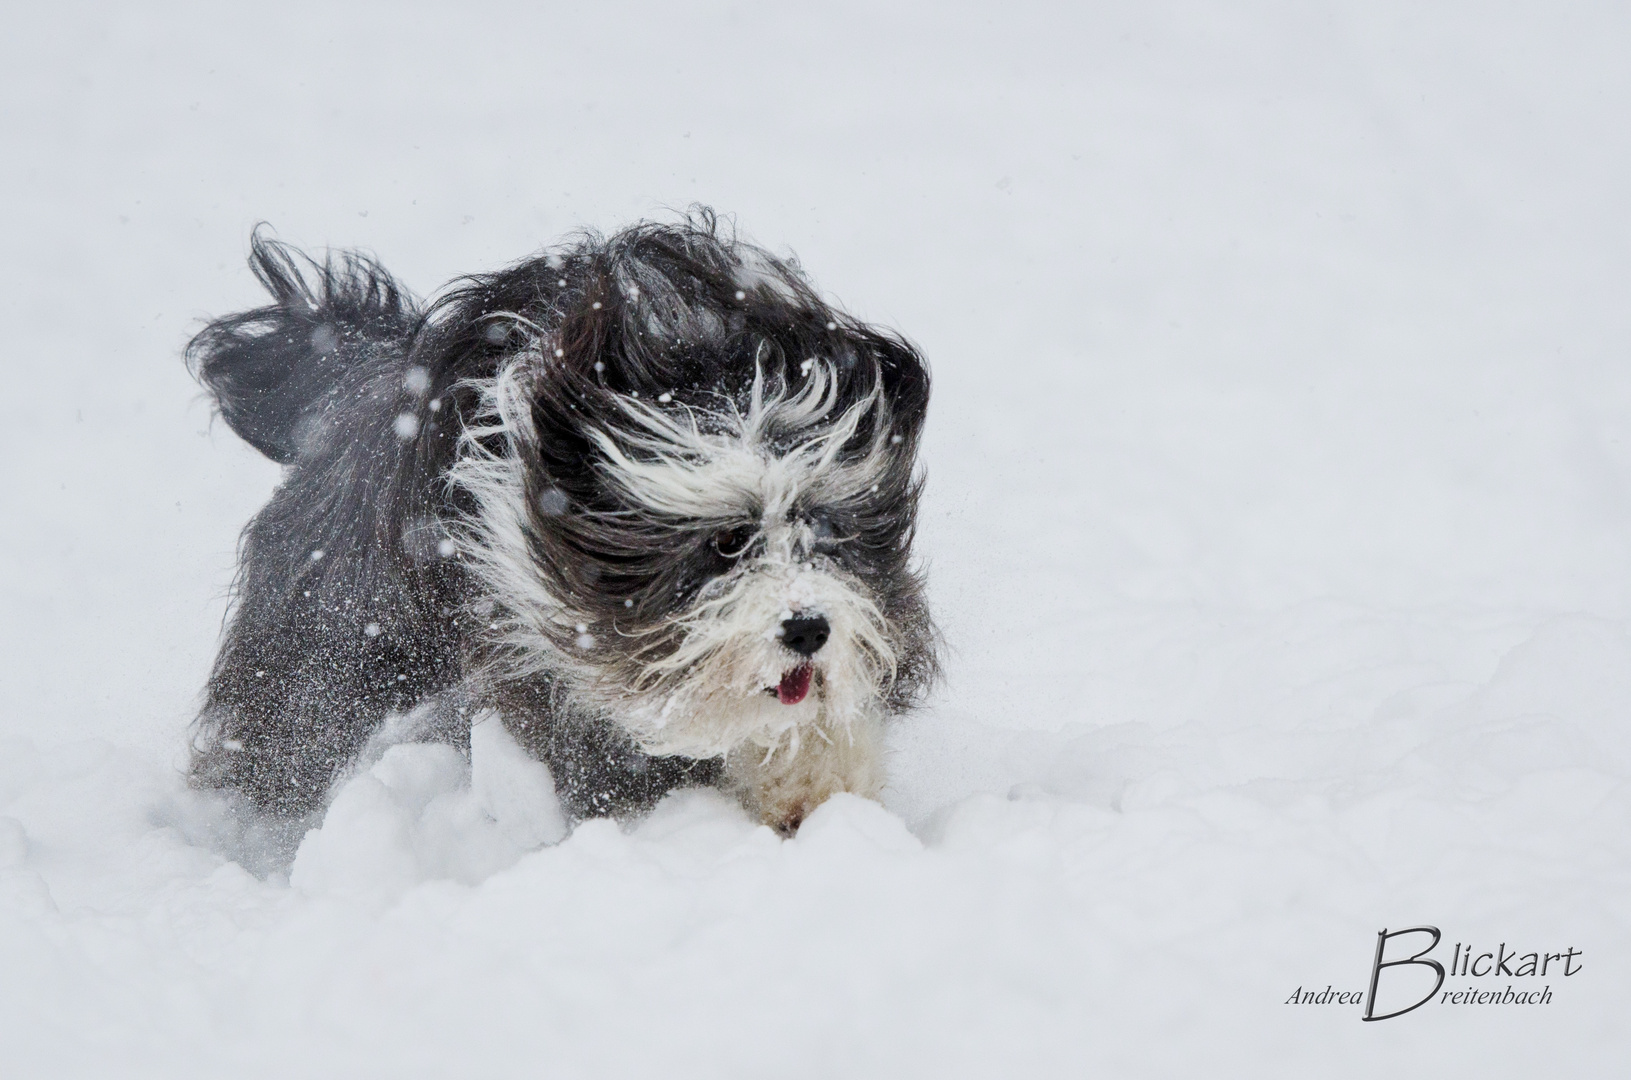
{"x": 648, "y": 498}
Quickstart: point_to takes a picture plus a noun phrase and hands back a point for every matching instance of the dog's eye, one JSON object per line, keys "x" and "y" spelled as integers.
{"x": 732, "y": 543}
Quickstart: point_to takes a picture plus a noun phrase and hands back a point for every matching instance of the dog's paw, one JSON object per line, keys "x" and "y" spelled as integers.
{"x": 786, "y": 819}
{"x": 782, "y": 789}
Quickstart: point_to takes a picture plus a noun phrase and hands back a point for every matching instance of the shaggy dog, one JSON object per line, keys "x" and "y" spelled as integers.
{"x": 648, "y": 498}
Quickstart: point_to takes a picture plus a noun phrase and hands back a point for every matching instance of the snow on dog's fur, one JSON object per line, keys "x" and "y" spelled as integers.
{"x": 649, "y": 497}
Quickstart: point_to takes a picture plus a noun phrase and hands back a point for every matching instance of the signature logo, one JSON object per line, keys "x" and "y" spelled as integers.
{"x": 1398, "y": 976}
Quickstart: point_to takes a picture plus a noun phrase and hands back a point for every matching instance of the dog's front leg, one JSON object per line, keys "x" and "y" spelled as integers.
{"x": 785, "y": 787}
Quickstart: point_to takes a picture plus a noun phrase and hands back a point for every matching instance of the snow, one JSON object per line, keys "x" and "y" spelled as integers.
{"x": 1278, "y": 522}
{"x": 406, "y": 426}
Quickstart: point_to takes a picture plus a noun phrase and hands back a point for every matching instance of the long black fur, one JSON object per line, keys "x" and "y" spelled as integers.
{"x": 351, "y": 605}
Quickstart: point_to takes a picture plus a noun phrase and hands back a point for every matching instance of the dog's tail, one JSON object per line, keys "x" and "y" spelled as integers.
{"x": 272, "y": 369}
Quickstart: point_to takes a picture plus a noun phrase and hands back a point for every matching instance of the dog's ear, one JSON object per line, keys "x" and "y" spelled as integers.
{"x": 904, "y": 377}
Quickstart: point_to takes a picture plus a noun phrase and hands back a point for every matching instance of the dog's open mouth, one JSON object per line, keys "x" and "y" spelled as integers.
{"x": 794, "y": 685}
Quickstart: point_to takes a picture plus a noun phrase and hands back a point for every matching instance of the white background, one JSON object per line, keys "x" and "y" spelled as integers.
{"x": 1278, "y": 522}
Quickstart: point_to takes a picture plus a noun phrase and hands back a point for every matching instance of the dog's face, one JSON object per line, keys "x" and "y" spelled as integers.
{"x": 696, "y": 499}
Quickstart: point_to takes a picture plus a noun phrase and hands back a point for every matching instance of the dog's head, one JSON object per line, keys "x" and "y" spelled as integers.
{"x": 695, "y": 494}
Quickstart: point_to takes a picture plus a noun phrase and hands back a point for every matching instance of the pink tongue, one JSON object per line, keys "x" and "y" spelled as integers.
{"x": 794, "y": 685}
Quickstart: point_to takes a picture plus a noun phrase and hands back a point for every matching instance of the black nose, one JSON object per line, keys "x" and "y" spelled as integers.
{"x": 805, "y": 636}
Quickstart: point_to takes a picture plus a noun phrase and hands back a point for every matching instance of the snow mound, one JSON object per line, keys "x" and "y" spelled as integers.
{"x": 424, "y": 812}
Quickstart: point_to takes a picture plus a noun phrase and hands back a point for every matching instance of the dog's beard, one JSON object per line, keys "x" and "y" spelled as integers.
{"x": 713, "y": 676}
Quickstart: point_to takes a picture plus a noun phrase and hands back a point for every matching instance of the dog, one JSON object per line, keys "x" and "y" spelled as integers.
{"x": 648, "y": 499}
